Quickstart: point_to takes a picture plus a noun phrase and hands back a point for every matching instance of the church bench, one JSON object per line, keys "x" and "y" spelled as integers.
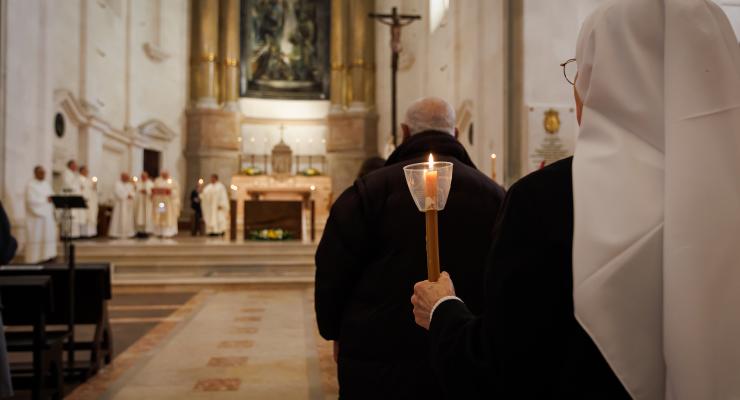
{"x": 28, "y": 301}
{"x": 93, "y": 290}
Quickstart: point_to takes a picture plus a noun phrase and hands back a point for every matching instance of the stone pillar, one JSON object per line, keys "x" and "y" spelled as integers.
{"x": 213, "y": 132}
{"x": 212, "y": 145}
{"x": 338, "y": 56}
{"x": 352, "y": 120}
{"x": 205, "y": 36}
{"x": 358, "y": 10}
{"x": 230, "y": 54}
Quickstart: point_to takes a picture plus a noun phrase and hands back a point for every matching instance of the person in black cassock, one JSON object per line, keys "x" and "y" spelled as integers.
{"x": 197, "y": 210}
{"x": 8, "y": 244}
{"x": 527, "y": 344}
{"x": 373, "y": 250}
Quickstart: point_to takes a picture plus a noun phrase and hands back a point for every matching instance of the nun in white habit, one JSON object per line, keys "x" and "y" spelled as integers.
{"x": 655, "y": 223}
{"x": 656, "y": 180}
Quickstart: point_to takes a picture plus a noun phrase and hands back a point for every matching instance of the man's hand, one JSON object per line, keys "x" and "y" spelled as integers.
{"x": 426, "y": 294}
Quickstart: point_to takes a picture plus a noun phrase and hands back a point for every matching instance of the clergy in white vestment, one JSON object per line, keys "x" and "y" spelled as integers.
{"x": 215, "y": 205}
{"x": 143, "y": 217}
{"x": 89, "y": 220}
{"x": 166, "y": 203}
{"x": 41, "y": 229}
{"x": 122, "y": 221}
{"x": 71, "y": 187}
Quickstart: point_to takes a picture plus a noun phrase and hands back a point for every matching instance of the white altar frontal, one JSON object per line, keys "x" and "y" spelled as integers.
{"x": 313, "y": 192}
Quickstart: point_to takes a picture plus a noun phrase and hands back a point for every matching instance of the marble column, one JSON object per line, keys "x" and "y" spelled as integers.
{"x": 230, "y": 54}
{"x": 352, "y": 120}
{"x": 205, "y": 29}
{"x": 358, "y": 10}
{"x": 212, "y": 131}
{"x": 338, "y": 55}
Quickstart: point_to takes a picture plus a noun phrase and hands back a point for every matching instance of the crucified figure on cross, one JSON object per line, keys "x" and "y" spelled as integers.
{"x": 396, "y": 21}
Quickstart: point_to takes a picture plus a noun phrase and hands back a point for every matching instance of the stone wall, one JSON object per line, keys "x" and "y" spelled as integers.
{"x": 115, "y": 69}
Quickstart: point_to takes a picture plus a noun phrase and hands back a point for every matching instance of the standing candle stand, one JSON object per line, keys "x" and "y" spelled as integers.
{"x": 429, "y": 184}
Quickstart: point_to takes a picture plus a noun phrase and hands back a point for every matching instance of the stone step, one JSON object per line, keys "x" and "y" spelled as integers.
{"x": 209, "y": 268}
{"x": 186, "y": 254}
{"x": 194, "y": 263}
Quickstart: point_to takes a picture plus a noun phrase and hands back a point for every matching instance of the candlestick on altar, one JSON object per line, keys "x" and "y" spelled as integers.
{"x": 493, "y": 166}
{"x": 429, "y": 184}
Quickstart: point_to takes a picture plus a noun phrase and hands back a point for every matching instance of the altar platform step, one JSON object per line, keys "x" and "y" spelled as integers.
{"x": 201, "y": 260}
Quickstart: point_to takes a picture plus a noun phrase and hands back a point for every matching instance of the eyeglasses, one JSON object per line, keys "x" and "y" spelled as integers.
{"x": 570, "y": 70}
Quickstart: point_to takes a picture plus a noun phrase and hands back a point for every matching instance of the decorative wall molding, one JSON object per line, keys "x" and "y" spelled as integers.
{"x": 85, "y": 117}
{"x": 154, "y": 52}
{"x": 156, "y": 130}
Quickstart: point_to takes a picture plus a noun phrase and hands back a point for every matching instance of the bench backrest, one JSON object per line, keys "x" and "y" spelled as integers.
{"x": 92, "y": 290}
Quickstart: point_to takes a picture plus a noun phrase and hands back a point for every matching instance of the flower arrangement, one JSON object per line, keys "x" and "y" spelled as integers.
{"x": 269, "y": 234}
{"x": 252, "y": 171}
{"x": 310, "y": 172}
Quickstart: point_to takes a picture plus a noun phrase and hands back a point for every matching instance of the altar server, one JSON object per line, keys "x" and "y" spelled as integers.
{"x": 122, "y": 221}
{"x": 143, "y": 216}
{"x": 215, "y": 203}
{"x": 650, "y": 299}
{"x": 71, "y": 187}
{"x": 89, "y": 222}
{"x": 166, "y": 203}
{"x": 41, "y": 229}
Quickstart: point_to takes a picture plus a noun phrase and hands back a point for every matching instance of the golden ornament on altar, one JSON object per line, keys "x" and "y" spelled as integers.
{"x": 552, "y": 121}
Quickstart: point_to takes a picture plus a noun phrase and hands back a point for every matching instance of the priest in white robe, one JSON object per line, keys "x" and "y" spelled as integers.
{"x": 71, "y": 187}
{"x": 166, "y": 205}
{"x": 122, "y": 221}
{"x": 215, "y": 204}
{"x": 144, "y": 219}
{"x": 41, "y": 229}
{"x": 89, "y": 220}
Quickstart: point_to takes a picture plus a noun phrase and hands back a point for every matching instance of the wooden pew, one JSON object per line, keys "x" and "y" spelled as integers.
{"x": 92, "y": 292}
{"x": 28, "y": 301}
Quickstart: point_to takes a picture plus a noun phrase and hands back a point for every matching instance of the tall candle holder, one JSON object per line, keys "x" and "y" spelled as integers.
{"x": 429, "y": 184}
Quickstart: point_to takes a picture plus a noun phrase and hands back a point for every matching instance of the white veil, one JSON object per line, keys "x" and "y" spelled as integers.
{"x": 656, "y": 180}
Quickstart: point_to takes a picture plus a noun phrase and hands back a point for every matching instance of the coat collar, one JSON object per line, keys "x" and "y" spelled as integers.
{"x": 439, "y": 143}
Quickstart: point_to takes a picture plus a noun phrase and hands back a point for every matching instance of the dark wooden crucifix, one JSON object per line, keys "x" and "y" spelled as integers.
{"x": 396, "y": 21}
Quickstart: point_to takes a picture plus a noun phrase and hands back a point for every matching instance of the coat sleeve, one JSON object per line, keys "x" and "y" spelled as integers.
{"x": 340, "y": 258}
{"x": 7, "y": 241}
{"x": 518, "y": 306}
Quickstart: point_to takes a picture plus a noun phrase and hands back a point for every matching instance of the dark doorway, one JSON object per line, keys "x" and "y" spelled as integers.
{"x": 152, "y": 162}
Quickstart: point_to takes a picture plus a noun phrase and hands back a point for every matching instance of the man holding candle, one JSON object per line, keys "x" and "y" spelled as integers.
{"x": 373, "y": 250}
{"x": 613, "y": 274}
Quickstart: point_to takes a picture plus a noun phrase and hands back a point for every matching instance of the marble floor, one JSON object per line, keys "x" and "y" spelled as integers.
{"x": 225, "y": 342}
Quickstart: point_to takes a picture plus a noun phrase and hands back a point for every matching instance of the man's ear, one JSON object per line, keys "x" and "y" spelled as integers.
{"x": 406, "y": 131}
{"x": 457, "y": 133}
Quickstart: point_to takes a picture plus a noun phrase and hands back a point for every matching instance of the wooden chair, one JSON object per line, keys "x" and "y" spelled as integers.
{"x": 27, "y": 302}
{"x": 92, "y": 292}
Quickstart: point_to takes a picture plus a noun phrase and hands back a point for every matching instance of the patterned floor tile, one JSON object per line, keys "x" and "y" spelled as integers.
{"x": 248, "y": 319}
{"x": 227, "y": 361}
{"x": 250, "y": 330}
{"x": 252, "y": 310}
{"x": 236, "y": 344}
{"x": 218, "y": 385}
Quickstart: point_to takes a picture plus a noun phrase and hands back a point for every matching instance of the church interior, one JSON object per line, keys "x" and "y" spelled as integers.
{"x": 213, "y": 138}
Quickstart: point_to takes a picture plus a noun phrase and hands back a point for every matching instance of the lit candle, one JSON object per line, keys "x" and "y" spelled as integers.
{"x": 95, "y": 179}
{"x": 493, "y": 166}
{"x": 169, "y": 181}
{"x": 136, "y": 179}
{"x": 200, "y": 181}
{"x": 430, "y": 199}
{"x": 430, "y": 185}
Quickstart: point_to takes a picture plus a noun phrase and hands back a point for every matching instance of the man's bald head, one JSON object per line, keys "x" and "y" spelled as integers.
{"x": 429, "y": 114}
